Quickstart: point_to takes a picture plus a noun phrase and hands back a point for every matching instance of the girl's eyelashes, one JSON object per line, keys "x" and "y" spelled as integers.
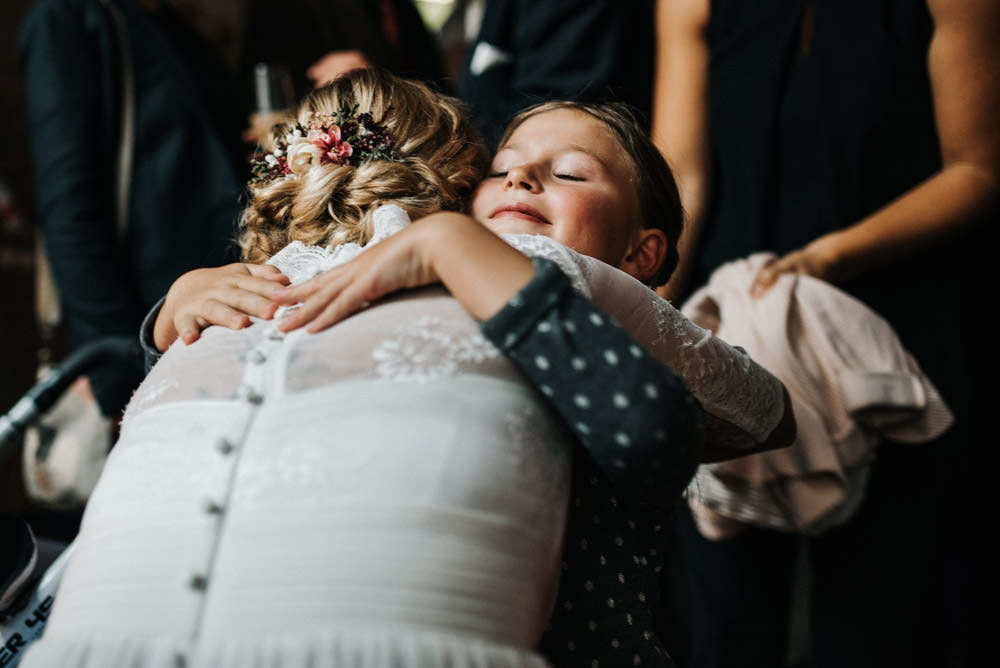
{"x": 564, "y": 176}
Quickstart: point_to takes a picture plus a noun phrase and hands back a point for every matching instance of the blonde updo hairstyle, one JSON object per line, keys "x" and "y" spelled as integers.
{"x": 442, "y": 159}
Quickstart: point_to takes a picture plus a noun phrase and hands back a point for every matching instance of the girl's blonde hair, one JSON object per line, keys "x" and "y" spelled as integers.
{"x": 441, "y": 160}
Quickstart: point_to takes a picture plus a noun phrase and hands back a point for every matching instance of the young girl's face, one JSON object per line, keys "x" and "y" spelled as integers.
{"x": 563, "y": 175}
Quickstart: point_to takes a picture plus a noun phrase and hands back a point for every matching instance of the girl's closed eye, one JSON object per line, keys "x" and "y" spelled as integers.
{"x": 569, "y": 177}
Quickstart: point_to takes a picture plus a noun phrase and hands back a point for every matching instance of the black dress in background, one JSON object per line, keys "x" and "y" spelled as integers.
{"x": 811, "y": 132}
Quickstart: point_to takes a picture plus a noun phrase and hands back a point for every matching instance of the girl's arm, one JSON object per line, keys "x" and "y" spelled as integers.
{"x": 479, "y": 269}
{"x": 632, "y": 414}
{"x": 965, "y": 83}
{"x": 747, "y": 409}
{"x": 746, "y": 406}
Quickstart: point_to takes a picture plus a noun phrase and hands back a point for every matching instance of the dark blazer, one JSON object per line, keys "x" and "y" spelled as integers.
{"x": 187, "y": 173}
{"x": 560, "y": 49}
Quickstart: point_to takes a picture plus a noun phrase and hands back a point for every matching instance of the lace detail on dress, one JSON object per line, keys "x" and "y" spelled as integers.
{"x": 300, "y": 262}
{"x": 427, "y": 352}
{"x": 534, "y": 245}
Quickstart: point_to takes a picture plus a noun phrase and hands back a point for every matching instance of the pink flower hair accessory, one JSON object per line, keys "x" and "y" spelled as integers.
{"x": 344, "y": 138}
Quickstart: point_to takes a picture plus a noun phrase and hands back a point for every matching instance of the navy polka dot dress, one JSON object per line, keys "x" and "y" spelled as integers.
{"x": 639, "y": 431}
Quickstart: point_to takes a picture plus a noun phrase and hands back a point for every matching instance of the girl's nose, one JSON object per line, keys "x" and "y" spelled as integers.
{"x": 522, "y": 176}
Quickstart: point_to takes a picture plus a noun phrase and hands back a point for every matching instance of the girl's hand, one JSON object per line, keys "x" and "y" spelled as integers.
{"x": 228, "y": 296}
{"x": 479, "y": 269}
{"x": 394, "y": 264}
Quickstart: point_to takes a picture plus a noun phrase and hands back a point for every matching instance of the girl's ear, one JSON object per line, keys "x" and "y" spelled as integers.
{"x": 646, "y": 255}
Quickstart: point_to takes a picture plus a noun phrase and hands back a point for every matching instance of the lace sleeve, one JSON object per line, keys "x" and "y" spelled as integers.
{"x": 743, "y": 402}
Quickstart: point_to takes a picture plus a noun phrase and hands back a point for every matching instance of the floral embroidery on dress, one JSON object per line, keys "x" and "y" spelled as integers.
{"x": 426, "y": 353}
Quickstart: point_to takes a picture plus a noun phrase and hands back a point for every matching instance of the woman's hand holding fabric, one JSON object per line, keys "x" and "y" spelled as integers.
{"x": 817, "y": 259}
{"x": 228, "y": 296}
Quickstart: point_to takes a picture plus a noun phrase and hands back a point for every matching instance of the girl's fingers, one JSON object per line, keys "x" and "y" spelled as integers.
{"x": 344, "y": 304}
{"x": 266, "y": 271}
{"x": 313, "y": 300}
{"x": 250, "y": 302}
{"x": 333, "y": 298}
{"x": 299, "y": 293}
{"x": 187, "y": 329}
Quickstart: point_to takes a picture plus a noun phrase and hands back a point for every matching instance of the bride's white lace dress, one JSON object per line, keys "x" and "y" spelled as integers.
{"x": 390, "y": 492}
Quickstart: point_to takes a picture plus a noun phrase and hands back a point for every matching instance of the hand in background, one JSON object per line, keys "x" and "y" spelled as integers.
{"x": 818, "y": 259}
{"x": 261, "y": 125}
{"x": 228, "y": 296}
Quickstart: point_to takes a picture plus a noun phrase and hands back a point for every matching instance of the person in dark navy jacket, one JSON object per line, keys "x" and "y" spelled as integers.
{"x": 530, "y": 51}
{"x": 186, "y": 174}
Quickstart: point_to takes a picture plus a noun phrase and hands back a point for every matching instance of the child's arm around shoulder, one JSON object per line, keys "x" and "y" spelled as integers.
{"x": 747, "y": 408}
{"x": 633, "y": 415}
{"x": 478, "y": 268}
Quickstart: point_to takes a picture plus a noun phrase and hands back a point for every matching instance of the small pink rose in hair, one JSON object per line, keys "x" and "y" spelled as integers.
{"x": 341, "y": 152}
{"x": 328, "y": 139}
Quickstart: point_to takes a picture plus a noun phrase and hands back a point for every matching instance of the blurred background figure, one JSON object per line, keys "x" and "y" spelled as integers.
{"x": 529, "y": 51}
{"x": 459, "y": 28}
{"x": 120, "y": 94}
{"x": 15, "y": 235}
{"x": 859, "y": 142}
{"x": 304, "y": 44}
{"x": 316, "y": 40}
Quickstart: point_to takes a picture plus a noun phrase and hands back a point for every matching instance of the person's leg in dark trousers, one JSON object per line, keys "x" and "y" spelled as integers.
{"x": 739, "y": 593}
{"x": 878, "y": 590}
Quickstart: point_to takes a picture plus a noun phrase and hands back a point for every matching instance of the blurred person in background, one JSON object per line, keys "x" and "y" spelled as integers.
{"x": 530, "y": 51}
{"x": 317, "y": 40}
{"x": 110, "y": 264}
{"x": 857, "y": 141}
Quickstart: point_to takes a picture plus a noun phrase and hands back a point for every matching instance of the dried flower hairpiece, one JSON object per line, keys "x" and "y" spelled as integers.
{"x": 344, "y": 138}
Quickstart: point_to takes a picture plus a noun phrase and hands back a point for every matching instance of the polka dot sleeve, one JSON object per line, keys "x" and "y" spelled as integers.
{"x": 631, "y": 412}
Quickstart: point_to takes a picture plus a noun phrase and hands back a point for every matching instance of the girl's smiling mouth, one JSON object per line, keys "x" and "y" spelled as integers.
{"x": 520, "y": 211}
